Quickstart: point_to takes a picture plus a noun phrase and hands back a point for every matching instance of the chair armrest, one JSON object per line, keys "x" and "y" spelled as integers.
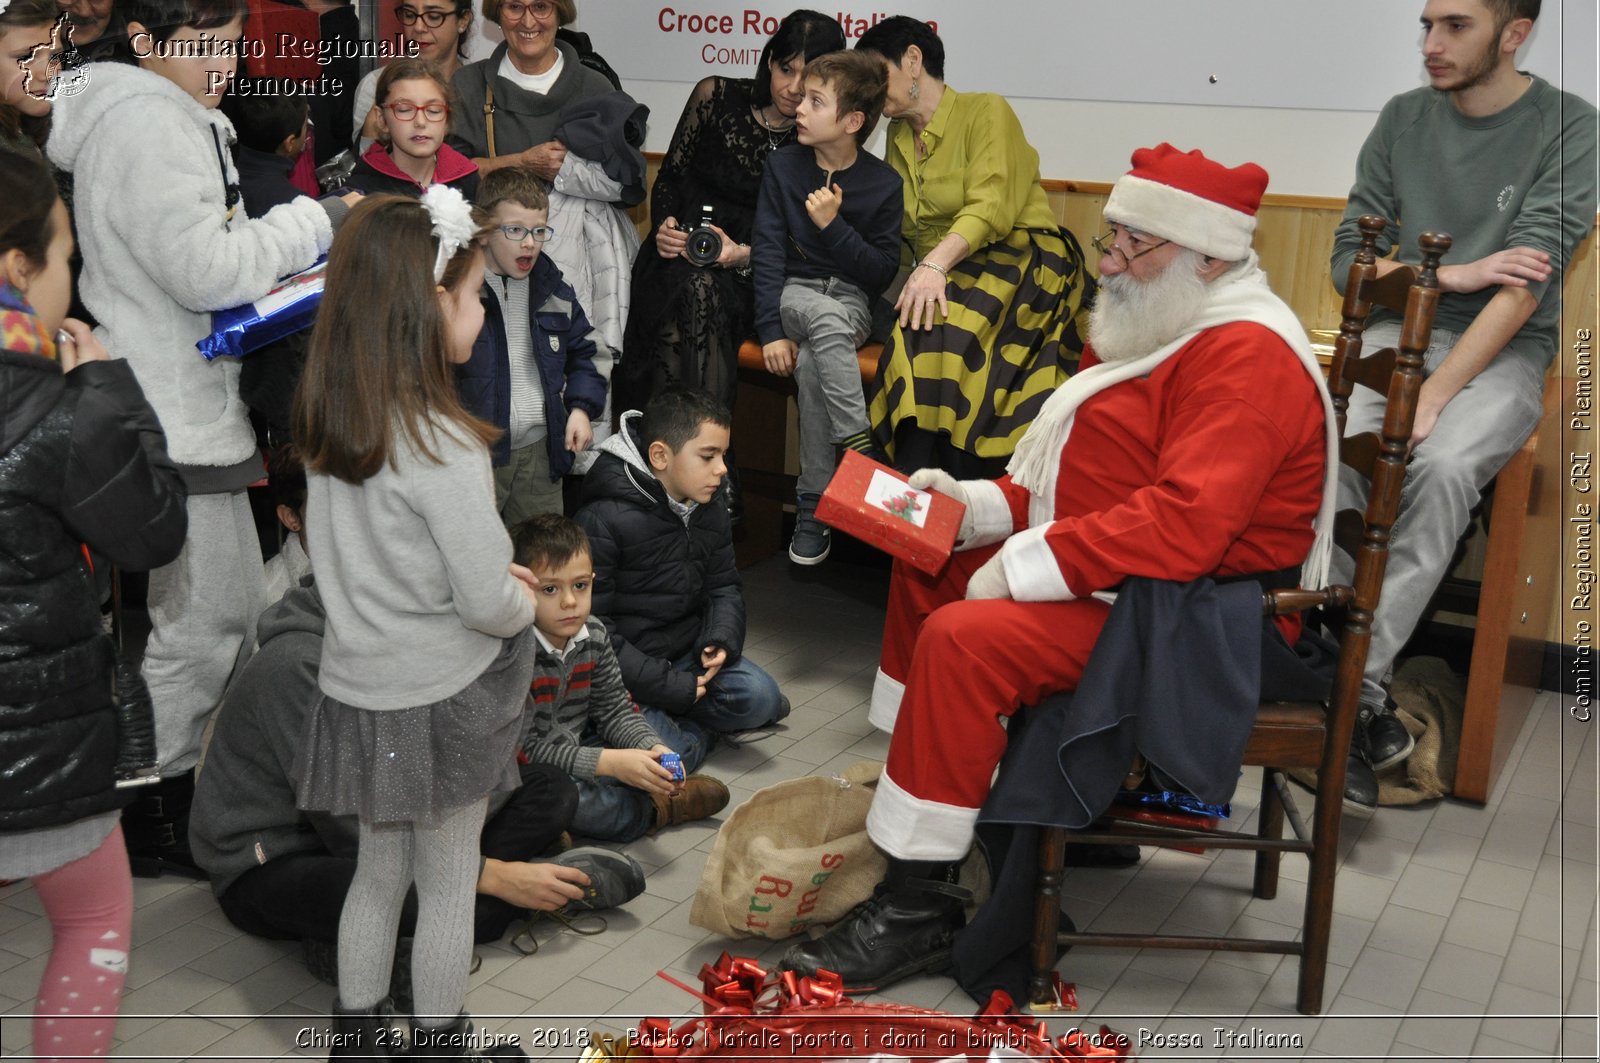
{"x": 1280, "y": 603}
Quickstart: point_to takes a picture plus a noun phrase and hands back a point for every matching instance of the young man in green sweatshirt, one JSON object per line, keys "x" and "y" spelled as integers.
{"x": 1505, "y": 163}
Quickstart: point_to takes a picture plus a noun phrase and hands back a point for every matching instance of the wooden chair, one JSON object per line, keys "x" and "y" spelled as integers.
{"x": 1298, "y": 735}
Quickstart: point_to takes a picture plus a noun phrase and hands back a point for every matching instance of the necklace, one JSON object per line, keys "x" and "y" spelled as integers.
{"x": 776, "y": 134}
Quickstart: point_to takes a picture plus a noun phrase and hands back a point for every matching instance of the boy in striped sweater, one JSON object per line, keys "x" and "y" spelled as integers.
{"x": 580, "y": 716}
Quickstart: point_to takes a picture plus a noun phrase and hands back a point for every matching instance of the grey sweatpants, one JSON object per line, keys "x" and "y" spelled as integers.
{"x": 203, "y": 612}
{"x": 828, "y": 319}
{"x": 1486, "y": 423}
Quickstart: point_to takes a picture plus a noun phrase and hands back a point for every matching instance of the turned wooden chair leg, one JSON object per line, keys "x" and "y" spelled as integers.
{"x": 1270, "y": 825}
{"x": 1047, "y": 912}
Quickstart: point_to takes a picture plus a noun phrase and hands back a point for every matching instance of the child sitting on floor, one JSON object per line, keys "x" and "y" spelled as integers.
{"x": 665, "y": 580}
{"x": 286, "y": 479}
{"x": 581, "y": 718}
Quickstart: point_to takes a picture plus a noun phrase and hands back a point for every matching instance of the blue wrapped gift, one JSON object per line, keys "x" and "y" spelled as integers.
{"x": 288, "y": 308}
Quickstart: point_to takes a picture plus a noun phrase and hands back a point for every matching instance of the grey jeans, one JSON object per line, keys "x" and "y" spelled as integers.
{"x": 1476, "y": 434}
{"x": 827, "y": 319}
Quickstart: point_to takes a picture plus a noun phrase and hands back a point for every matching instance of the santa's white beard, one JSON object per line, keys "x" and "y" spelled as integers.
{"x": 1131, "y": 318}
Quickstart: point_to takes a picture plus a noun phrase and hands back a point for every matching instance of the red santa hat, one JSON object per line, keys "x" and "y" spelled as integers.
{"x": 1191, "y": 200}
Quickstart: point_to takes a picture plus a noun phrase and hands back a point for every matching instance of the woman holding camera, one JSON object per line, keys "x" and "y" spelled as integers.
{"x": 988, "y": 313}
{"x": 690, "y": 310}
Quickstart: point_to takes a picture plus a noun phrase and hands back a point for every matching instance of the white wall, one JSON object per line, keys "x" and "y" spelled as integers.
{"x": 1307, "y": 152}
{"x": 1114, "y": 80}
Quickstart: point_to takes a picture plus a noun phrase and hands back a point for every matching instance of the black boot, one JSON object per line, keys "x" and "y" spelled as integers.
{"x": 460, "y": 1041}
{"x": 906, "y": 927}
{"x": 364, "y": 1033}
{"x": 1380, "y": 737}
{"x": 156, "y": 827}
{"x": 1360, "y": 786}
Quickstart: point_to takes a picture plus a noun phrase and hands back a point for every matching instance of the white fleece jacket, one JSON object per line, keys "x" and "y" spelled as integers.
{"x": 160, "y": 252}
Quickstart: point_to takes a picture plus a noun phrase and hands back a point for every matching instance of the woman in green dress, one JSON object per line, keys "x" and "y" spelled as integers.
{"x": 994, "y": 287}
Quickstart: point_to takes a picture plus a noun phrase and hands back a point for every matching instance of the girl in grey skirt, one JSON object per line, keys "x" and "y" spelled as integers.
{"x": 427, "y": 657}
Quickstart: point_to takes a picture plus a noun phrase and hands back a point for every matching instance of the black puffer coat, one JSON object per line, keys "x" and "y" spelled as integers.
{"x": 663, "y": 588}
{"x": 82, "y": 460}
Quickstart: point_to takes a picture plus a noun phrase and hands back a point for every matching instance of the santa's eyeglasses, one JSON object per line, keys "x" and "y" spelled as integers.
{"x": 1140, "y": 243}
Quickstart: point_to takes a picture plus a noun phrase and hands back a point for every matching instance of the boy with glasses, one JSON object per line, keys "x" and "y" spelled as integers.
{"x": 535, "y": 371}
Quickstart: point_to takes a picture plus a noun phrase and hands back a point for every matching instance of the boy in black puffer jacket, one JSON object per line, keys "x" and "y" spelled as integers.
{"x": 665, "y": 581}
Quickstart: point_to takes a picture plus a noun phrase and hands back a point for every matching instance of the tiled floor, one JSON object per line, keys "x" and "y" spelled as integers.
{"x": 1461, "y": 932}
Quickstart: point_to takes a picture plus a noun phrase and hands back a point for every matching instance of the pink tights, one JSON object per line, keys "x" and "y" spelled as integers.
{"x": 90, "y": 905}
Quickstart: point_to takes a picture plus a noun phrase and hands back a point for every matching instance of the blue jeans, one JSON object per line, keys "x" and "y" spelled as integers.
{"x": 741, "y": 697}
{"x": 613, "y": 811}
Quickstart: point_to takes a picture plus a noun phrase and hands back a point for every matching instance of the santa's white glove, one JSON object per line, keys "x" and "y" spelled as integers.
{"x": 942, "y": 482}
{"x": 990, "y": 580}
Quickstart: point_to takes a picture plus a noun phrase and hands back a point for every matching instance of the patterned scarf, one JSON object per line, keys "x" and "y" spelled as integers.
{"x": 20, "y": 330}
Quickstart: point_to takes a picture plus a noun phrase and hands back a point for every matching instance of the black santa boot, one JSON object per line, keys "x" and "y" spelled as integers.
{"x": 905, "y": 928}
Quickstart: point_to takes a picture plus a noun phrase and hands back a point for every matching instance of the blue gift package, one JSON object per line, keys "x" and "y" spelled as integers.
{"x": 289, "y": 308}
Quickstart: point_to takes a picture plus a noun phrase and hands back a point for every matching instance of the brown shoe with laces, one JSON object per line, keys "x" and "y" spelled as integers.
{"x": 700, "y": 797}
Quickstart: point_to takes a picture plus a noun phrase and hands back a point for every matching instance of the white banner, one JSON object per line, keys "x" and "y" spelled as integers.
{"x": 1299, "y": 54}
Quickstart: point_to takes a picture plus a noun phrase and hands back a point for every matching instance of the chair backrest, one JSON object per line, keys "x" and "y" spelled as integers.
{"x": 1381, "y": 456}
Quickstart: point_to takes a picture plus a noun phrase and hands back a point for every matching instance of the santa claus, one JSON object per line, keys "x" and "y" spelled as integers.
{"x": 1195, "y": 441}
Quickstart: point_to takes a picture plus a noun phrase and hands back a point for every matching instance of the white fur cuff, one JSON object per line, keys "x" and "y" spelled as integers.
{"x": 884, "y": 708}
{"x": 914, "y": 828}
{"x": 1032, "y": 569}
{"x": 1182, "y": 217}
{"x": 990, "y": 513}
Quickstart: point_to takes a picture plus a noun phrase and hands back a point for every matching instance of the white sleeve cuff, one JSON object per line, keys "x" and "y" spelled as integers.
{"x": 1032, "y": 569}
{"x": 990, "y": 513}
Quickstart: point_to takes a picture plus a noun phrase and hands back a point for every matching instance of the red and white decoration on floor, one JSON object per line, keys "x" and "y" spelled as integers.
{"x": 750, "y": 1014}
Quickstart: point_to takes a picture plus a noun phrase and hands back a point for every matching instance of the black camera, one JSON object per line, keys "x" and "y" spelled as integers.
{"x": 705, "y": 246}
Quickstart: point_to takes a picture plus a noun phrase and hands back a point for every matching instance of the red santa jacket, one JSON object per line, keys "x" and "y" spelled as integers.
{"x": 1211, "y": 465}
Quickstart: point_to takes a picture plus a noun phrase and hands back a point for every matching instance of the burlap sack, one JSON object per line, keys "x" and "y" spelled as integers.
{"x": 794, "y": 854}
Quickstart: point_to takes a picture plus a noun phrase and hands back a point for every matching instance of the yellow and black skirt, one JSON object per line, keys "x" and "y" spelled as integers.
{"x": 960, "y": 396}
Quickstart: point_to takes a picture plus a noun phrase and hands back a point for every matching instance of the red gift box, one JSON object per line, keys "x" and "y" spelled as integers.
{"x": 875, "y": 504}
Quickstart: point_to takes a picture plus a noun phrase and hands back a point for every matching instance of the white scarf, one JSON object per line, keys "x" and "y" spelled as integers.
{"x": 1241, "y": 294}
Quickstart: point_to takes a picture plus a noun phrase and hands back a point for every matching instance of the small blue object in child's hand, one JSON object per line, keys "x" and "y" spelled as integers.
{"x": 673, "y": 763}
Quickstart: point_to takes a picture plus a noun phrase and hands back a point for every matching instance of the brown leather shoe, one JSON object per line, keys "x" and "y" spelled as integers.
{"x": 700, "y": 797}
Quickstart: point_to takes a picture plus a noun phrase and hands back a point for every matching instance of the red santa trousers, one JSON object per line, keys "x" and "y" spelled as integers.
{"x": 951, "y": 669}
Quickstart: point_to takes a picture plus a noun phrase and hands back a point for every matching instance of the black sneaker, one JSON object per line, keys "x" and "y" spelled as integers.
{"x": 1360, "y": 787}
{"x": 812, "y": 538}
{"x": 614, "y": 878}
{"x": 1381, "y": 738}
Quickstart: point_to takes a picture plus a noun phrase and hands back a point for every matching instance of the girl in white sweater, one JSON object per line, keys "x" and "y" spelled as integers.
{"x": 428, "y": 652}
{"x": 165, "y": 242}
